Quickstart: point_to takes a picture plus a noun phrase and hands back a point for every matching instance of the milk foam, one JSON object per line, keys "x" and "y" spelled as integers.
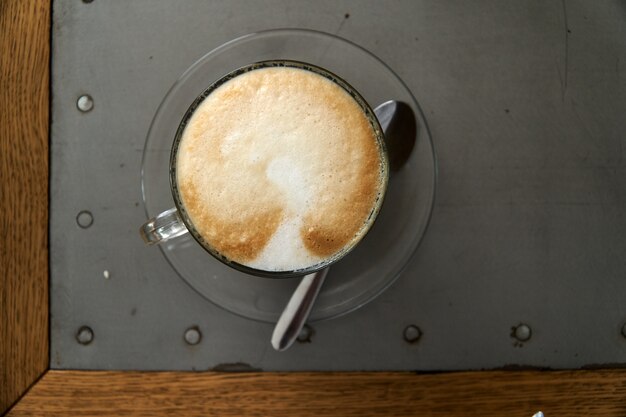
{"x": 279, "y": 169}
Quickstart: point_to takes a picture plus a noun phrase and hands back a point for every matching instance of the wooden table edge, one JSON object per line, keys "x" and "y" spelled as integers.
{"x": 483, "y": 393}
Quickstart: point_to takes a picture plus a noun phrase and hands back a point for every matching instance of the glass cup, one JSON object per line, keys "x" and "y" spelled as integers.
{"x": 175, "y": 222}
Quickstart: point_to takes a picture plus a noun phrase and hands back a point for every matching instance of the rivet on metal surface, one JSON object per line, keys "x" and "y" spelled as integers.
{"x": 522, "y": 332}
{"x": 193, "y": 335}
{"x": 84, "y": 336}
{"x": 106, "y": 274}
{"x": 624, "y": 330}
{"x": 84, "y": 219}
{"x": 412, "y": 333}
{"x": 84, "y": 103}
{"x": 305, "y": 334}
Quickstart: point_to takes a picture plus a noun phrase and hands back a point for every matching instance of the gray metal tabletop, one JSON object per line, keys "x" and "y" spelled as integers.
{"x": 523, "y": 264}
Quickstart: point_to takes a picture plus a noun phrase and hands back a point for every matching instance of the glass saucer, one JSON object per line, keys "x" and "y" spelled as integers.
{"x": 380, "y": 257}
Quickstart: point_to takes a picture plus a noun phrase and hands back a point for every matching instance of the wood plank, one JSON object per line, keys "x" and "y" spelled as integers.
{"x": 24, "y": 94}
{"x": 494, "y": 393}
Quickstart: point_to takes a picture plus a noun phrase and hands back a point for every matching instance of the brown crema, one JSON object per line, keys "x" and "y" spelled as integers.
{"x": 279, "y": 169}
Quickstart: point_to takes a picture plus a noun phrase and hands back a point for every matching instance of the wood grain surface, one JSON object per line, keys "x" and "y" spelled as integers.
{"x": 501, "y": 393}
{"x": 24, "y": 72}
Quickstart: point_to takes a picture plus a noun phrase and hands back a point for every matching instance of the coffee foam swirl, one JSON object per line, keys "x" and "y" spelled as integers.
{"x": 279, "y": 169}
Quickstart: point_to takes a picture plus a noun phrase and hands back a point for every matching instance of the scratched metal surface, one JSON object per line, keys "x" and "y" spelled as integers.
{"x": 526, "y": 103}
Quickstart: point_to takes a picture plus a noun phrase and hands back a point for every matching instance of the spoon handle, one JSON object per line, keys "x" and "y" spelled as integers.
{"x": 297, "y": 310}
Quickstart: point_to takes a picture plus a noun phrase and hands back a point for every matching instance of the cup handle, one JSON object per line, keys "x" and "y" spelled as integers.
{"x": 163, "y": 227}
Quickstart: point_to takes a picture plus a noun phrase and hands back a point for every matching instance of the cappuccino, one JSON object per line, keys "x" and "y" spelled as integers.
{"x": 279, "y": 168}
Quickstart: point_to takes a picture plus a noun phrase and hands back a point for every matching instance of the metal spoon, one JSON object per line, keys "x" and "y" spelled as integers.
{"x": 398, "y": 123}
